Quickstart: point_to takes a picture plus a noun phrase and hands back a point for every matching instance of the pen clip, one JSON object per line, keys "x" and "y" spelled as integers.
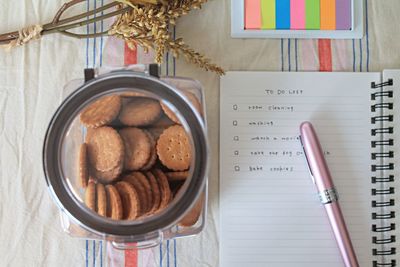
{"x": 308, "y": 163}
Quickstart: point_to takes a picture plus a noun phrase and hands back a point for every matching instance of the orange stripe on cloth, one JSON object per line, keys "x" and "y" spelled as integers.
{"x": 325, "y": 55}
{"x": 131, "y": 258}
{"x": 131, "y": 255}
{"x": 130, "y": 55}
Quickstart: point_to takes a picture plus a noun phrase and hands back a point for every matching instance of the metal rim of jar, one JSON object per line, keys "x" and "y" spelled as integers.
{"x": 60, "y": 123}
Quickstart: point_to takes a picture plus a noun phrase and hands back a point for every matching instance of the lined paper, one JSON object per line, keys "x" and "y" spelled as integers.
{"x": 270, "y": 214}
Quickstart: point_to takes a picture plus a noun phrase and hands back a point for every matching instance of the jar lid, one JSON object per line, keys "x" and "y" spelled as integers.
{"x": 65, "y": 133}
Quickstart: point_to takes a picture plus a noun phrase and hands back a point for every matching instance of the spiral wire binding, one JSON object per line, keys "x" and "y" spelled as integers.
{"x": 383, "y": 228}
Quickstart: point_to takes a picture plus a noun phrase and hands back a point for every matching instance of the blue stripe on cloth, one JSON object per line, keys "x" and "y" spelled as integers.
{"x": 95, "y": 39}
{"x": 87, "y": 253}
{"x": 354, "y": 56}
{"x": 282, "y": 63}
{"x": 174, "y": 59}
{"x": 161, "y": 245}
{"x": 87, "y": 65}
{"x": 295, "y": 53}
{"x": 94, "y": 253}
{"x": 290, "y": 64}
{"x": 101, "y": 253}
{"x": 87, "y": 32}
{"x": 175, "y": 262}
{"x": 361, "y": 55}
{"x": 167, "y": 253}
{"x": 101, "y": 38}
{"x": 101, "y": 64}
{"x": 100, "y": 246}
{"x": 161, "y": 256}
{"x": 174, "y": 70}
{"x": 366, "y": 32}
{"x": 167, "y": 63}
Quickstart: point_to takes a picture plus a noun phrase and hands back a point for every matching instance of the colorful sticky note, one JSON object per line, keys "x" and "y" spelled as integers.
{"x": 268, "y": 14}
{"x": 283, "y": 14}
{"x": 312, "y": 15}
{"x": 343, "y": 14}
{"x": 297, "y": 15}
{"x": 252, "y": 14}
{"x": 328, "y": 14}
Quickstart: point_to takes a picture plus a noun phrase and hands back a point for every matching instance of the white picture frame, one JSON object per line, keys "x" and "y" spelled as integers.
{"x": 356, "y": 32}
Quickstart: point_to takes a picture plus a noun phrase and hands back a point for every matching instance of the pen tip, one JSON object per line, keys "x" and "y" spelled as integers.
{"x": 305, "y": 124}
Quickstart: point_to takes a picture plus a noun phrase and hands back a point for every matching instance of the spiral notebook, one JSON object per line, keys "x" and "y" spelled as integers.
{"x": 270, "y": 214}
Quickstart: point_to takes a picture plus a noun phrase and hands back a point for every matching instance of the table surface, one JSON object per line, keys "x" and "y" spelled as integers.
{"x": 31, "y": 85}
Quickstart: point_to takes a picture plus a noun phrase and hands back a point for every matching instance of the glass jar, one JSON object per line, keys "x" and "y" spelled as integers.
{"x": 66, "y": 133}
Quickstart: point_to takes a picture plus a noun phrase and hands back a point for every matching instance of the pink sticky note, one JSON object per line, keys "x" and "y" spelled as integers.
{"x": 297, "y": 15}
{"x": 252, "y": 17}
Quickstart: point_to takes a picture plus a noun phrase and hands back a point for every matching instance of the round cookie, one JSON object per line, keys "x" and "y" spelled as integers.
{"x": 155, "y": 190}
{"x": 164, "y": 188}
{"x": 130, "y": 200}
{"x": 191, "y": 98}
{"x": 146, "y": 184}
{"x": 177, "y": 176}
{"x": 114, "y": 203}
{"x": 83, "y": 172}
{"x": 101, "y": 200}
{"x": 107, "y": 176}
{"x": 137, "y": 148}
{"x": 90, "y": 196}
{"x": 101, "y": 111}
{"x": 141, "y": 192}
{"x": 105, "y": 149}
{"x": 140, "y": 112}
{"x": 173, "y": 148}
{"x": 170, "y": 114}
{"x": 153, "y": 153}
{"x": 193, "y": 215}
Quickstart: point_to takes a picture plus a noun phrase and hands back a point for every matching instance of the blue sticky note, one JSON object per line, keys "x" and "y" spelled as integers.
{"x": 282, "y": 14}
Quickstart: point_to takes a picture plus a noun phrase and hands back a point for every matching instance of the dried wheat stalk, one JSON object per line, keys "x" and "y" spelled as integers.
{"x": 147, "y": 26}
{"x": 142, "y": 22}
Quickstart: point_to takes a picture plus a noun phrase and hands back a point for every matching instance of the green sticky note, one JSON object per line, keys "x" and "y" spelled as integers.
{"x": 268, "y": 16}
{"x": 312, "y": 15}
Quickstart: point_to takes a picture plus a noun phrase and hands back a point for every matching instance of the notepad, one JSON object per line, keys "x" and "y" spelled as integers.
{"x": 297, "y": 18}
{"x": 270, "y": 214}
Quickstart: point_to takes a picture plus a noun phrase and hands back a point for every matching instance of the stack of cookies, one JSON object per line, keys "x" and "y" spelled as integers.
{"x": 135, "y": 158}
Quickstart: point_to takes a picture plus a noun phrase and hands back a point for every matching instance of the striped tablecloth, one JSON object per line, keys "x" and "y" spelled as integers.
{"x": 31, "y": 88}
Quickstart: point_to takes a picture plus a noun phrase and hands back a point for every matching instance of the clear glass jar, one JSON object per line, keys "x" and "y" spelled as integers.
{"x": 66, "y": 133}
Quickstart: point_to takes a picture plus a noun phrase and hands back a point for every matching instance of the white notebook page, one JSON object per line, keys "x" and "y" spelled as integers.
{"x": 270, "y": 214}
{"x": 395, "y": 100}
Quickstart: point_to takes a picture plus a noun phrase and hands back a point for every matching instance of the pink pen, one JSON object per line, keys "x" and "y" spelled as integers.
{"x": 327, "y": 192}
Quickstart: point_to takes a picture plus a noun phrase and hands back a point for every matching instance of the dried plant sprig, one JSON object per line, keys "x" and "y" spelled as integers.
{"x": 148, "y": 26}
{"x": 179, "y": 47}
{"x": 139, "y": 22}
{"x": 141, "y": 2}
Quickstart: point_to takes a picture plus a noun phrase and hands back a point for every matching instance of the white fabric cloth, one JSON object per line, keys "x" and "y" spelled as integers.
{"x": 31, "y": 83}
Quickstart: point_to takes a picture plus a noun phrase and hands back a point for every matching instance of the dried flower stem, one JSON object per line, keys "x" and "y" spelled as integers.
{"x": 139, "y": 22}
{"x": 148, "y": 26}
